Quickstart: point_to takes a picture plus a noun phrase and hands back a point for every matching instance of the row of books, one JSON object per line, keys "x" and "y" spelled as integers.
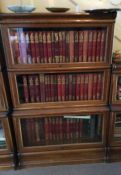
{"x": 87, "y": 45}
{"x": 60, "y": 87}
{"x": 60, "y": 130}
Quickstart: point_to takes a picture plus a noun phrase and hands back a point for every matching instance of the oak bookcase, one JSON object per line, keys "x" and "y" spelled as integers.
{"x": 65, "y": 92}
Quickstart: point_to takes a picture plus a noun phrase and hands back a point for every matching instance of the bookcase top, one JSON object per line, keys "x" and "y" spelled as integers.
{"x": 57, "y": 16}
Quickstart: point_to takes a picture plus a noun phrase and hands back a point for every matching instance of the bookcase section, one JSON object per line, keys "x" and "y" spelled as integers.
{"x": 61, "y": 133}
{"x": 58, "y": 45}
{"x": 57, "y": 88}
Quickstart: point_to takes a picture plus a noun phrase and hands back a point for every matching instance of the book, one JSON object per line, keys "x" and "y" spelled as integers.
{"x": 37, "y": 48}
{"x": 23, "y": 47}
{"x": 71, "y": 46}
{"x": 29, "y": 53}
{"x": 81, "y": 40}
{"x": 37, "y": 88}
{"x": 41, "y": 46}
{"x": 76, "y": 46}
{"x": 26, "y": 89}
{"x": 85, "y": 45}
{"x": 32, "y": 45}
{"x": 31, "y": 88}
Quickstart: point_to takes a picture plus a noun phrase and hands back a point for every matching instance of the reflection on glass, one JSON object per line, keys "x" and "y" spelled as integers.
{"x": 54, "y": 45}
{"x": 61, "y": 130}
{"x": 2, "y": 137}
{"x": 117, "y": 129}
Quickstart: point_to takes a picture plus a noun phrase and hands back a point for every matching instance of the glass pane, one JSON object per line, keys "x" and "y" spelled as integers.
{"x": 60, "y": 87}
{"x": 119, "y": 88}
{"x": 117, "y": 128}
{"x": 54, "y": 45}
{"x": 2, "y": 137}
{"x": 61, "y": 130}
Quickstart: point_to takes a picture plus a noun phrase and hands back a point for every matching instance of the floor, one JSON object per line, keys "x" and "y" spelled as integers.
{"x": 83, "y": 169}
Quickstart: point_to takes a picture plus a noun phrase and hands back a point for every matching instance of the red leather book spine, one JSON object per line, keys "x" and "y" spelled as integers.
{"x": 63, "y": 46}
{"x": 94, "y": 45}
{"x": 82, "y": 87}
{"x": 71, "y": 46}
{"x": 59, "y": 88}
{"x": 76, "y": 46}
{"x": 60, "y": 46}
{"x": 37, "y": 88}
{"x": 98, "y": 44}
{"x": 85, "y": 46}
{"x": 49, "y": 87}
{"x": 52, "y": 87}
{"x": 45, "y": 45}
{"x": 55, "y": 77}
{"x": 46, "y": 88}
{"x": 66, "y": 87}
{"x": 78, "y": 79}
{"x": 41, "y": 47}
{"x": 37, "y": 48}
{"x": 90, "y": 86}
{"x": 90, "y": 43}
{"x": 37, "y": 130}
{"x": 103, "y": 45}
{"x": 33, "y": 51}
{"x": 67, "y": 52}
{"x": 49, "y": 47}
{"x": 99, "y": 86}
{"x": 81, "y": 41}
{"x": 26, "y": 90}
{"x": 94, "y": 86}
{"x": 70, "y": 86}
{"x": 42, "y": 87}
{"x": 74, "y": 87}
{"x": 31, "y": 88}
{"x": 68, "y": 130}
{"x": 57, "y": 49}
{"x": 63, "y": 86}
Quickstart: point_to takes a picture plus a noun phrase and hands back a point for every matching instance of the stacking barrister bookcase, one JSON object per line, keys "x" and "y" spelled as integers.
{"x": 115, "y": 123}
{"x": 6, "y": 146}
{"x": 59, "y": 68}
